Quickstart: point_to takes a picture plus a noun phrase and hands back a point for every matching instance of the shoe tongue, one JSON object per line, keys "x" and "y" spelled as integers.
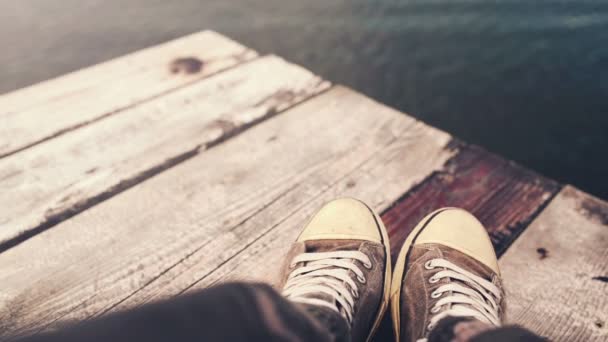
{"x": 320, "y": 246}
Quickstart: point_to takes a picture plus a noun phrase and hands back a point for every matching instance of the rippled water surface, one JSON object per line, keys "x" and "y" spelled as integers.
{"x": 526, "y": 79}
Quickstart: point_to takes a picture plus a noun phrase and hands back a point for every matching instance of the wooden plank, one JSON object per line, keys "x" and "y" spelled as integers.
{"x": 43, "y": 111}
{"x": 50, "y": 182}
{"x": 503, "y": 195}
{"x": 165, "y": 235}
{"x": 556, "y": 273}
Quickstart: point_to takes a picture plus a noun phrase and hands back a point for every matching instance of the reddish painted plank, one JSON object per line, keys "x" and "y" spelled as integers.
{"x": 504, "y": 196}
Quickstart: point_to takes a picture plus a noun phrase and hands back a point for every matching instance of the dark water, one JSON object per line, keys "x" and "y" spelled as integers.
{"x": 526, "y": 79}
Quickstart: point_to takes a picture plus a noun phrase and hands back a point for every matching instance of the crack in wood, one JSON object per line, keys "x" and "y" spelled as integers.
{"x": 56, "y": 215}
{"x": 603, "y": 279}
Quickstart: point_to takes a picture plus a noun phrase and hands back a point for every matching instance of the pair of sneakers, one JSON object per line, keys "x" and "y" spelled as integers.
{"x": 446, "y": 267}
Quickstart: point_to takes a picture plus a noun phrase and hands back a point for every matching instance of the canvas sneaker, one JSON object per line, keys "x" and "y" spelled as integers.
{"x": 447, "y": 267}
{"x": 341, "y": 261}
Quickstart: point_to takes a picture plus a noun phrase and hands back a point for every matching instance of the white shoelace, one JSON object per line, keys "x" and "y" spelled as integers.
{"x": 328, "y": 273}
{"x": 473, "y": 296}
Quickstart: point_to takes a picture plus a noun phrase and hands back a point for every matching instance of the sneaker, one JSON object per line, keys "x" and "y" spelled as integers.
{"x": 447, "y": 267}
{"x": 341, "y": 261}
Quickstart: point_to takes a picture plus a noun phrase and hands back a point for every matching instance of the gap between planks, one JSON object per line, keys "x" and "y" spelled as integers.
{"x": 51, "y": 182}
{"x": 194, "y": 222}
{"x": 49, "y": 109}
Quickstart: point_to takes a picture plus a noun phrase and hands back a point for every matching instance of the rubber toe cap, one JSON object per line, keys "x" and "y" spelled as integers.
{"x": 342, "y": 219}
{"x": 458, "y": 229}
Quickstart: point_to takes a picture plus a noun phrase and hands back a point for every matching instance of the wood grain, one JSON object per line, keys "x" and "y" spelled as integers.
{"x": 53, "y": 181}
{"x": 222, "y": 208}
{"x": 46, "y": 110}
{"x": 377, "y": 172}
{"x": 503, "y": 195}
{"x": 553, "y": 272}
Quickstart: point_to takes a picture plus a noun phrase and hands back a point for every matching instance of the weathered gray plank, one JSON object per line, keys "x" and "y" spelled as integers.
{"x": 556, "y": 273}
{"x": 52, "y": 181}
{"x": 165, "y": 235}
{"x": 45, "y": 110}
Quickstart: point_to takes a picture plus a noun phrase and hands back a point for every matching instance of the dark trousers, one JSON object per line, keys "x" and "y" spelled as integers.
{"x": 235, "y": 312}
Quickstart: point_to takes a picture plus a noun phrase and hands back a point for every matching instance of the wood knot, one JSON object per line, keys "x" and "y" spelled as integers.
{"x": 543, "y": 253}
{"x": 186, "y": 65}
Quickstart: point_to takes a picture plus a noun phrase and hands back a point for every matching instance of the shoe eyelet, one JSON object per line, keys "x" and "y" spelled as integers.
{"x": 436, "y": 294}
{"x": 428, "y": 265}
{"x": 435, "y": 309}
{"x": 355, "y": 294}
{"x": 368, "y": 266}
{"x": 429, "y": 327}
{"x": 361, "y": 279}
{"x": 433, "y": 280}
{"x": 292, "y": 265}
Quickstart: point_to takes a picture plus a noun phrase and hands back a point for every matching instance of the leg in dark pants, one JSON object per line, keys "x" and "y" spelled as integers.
{"x": 241, "y": 312}
{"x": 230, "y": 312}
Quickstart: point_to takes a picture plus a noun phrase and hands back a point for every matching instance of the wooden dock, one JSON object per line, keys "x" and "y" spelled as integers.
{"x": 197, "y": 161}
